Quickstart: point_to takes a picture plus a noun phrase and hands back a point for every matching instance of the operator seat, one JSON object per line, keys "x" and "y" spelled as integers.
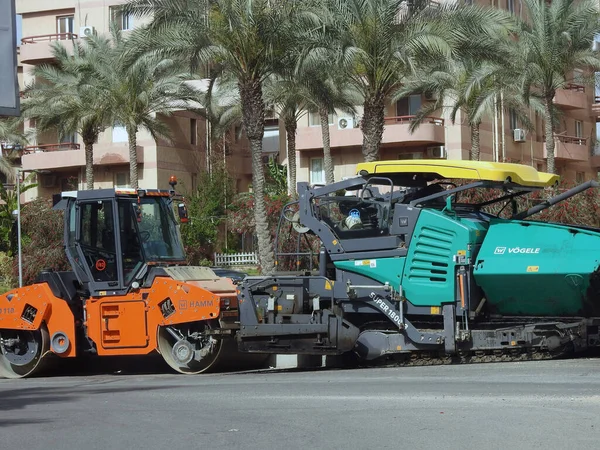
{"x": 425, "y": 192}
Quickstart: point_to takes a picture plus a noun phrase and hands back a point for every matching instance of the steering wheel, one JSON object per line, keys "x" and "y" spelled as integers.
{"x": 144, "y": 235}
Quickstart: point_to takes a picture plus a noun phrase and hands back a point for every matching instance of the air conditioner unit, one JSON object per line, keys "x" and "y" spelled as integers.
{"x": 438, "y": 152}
{"x": 519, "y": 135}
{"x": 345, "y": 122}
{"x": 47, "y": 181}
{"x": 86, "y": 32}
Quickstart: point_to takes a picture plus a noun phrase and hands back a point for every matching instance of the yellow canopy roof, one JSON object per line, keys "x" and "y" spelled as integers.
{"x": 469, "y": 170}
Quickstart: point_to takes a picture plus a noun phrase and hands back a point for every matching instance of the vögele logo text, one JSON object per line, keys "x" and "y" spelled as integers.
{"x": 519, "y": 250}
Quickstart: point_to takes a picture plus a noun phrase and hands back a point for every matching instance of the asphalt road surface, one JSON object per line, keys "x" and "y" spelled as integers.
{"x": 545, "y": 405}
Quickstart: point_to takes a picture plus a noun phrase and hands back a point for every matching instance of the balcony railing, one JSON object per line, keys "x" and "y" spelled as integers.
{"x": 575, "y": 87}
{"x": 51, "y": 147}
{"x": 571, "y": 139}
{"x": 410, "y": 119}
{"x": 48, "y": 37}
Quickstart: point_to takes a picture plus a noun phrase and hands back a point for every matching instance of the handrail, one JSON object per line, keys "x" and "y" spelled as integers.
{"x": 575, "y": 87}
{"x": 409, "y": 119}
{"x": 570, "y": 139}
{"x": 51, "y": 147}
{"x": 48, "y": 37}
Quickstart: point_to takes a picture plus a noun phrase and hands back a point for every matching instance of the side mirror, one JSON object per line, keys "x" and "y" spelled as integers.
{"x": 182, "y": 211}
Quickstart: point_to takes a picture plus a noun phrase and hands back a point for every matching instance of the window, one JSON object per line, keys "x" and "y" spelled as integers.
{"x": 119, "y": 133}
{"x": 64, "y": 26}
{"x": 193, "y": 131}
{"x": 122, "y": 22}
{"x": 69, "y": 138}
{"x": 580, "y": 177}
{"x": 513, "y": 119}
{"x": 121, "y": 180}
{"x": 315, "y": 120}
{"x": 510, "y": 6}
{"x": 317, "y": 171}
{"x": 98, "y": 239}
{"x": 578, "y": 128}
{"x": 408, "y": 106}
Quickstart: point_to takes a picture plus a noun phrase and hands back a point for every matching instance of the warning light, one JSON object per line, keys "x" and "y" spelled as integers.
{"x": 173, "y": 181}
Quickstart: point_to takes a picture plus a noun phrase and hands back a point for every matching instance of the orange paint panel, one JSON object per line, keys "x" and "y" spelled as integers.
{"x": 54, "y": 311}
{"x": 191, "y": 304}
{"x": 123, "y": 325}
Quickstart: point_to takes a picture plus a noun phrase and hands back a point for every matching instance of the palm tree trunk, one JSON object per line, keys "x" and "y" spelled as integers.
{"x": 89, "y": 164}
{"x": 327, "y": 161}
{"x": 549, "y": 131}
{"x": 290, "y": 131}
{"x": 372, "y": 127}
{"x": 133, "y": 166}
{"x": 475, "y": 143}
{"x": 253, "y": 116}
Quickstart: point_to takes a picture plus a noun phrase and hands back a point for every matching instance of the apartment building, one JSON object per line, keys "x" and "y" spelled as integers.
{"x": 60, "y": 162}
{"x": 502, "y": 138}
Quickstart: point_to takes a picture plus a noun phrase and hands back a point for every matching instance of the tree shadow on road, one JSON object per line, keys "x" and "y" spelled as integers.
{"x": 17, "y": 399}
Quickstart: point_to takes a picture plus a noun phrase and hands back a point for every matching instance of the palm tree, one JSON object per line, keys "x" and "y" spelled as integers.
{"x": 289, "y": 98}
{"x": 328, "y": 90}
{"x": 244, "y": 38}
{"x": 64, "y": 96}
{"x": 139, "y": 90}
{"x": 10, "y": 133}
{"x": 221, "y": 109}
{"x": 10, "y": 130}
{"x": 379, "y": 42}
{"x": 555, "y": 38}
{"x": 469, "y": 85}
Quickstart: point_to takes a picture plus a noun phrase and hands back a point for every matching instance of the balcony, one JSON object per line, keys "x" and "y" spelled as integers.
{"x": 569, "y": 148}
{"x": 69, "y": 155}
{"x": 396, "y": 131}
{"x": 38, "y": 7}
{"x": 596, "y": 107}
{"x": 573, "y": 96}
{"x": 38, "y": 49}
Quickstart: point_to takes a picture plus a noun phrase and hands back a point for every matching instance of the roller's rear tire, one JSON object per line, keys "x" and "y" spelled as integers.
{"x": 186, "y": 350}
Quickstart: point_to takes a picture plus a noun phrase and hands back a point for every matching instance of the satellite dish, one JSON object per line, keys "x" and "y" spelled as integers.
{"x": 296, "y": 224}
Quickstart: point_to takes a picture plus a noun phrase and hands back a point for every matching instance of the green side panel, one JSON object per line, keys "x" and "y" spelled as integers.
{"x": 538, "y": 269}
{"x": 440, "y": 242}
{"x": 379, "y": 269}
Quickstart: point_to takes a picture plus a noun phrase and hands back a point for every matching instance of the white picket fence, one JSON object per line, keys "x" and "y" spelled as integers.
{"x": 235, "y": 259}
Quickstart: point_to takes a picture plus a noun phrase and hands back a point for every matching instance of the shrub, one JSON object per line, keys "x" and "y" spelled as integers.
{"x": 7, "y": 278}
{"x": 42, "y": 243}
{"x": 206, "y": 213}
{"x": 241, "y": 220}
